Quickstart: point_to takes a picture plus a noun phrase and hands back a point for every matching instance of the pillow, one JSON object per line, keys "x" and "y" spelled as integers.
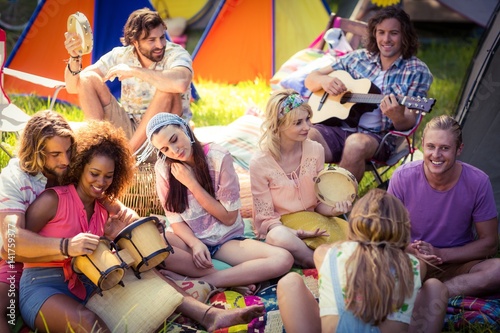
{"x": 199, "y": 290}
{"x": 296, "y": 79}
{"x": 142, "y": 305}
{"x": 297, "y": 61}
{"x": 336, "y": 228}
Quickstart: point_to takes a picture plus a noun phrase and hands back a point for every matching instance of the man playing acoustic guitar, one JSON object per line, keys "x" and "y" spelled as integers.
{"x": 389, "y": 62}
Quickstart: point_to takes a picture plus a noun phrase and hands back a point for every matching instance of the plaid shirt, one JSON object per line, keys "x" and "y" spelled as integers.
{"x": 406, "y": 77}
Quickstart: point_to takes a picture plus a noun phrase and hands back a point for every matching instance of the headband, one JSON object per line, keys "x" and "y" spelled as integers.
{"x": 159, "y": 121}
{"x": 291, "y": 102}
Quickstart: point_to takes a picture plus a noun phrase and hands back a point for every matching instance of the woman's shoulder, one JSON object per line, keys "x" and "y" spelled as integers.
{"x": 260, "y": 157}
{"x": 215, "y": 148}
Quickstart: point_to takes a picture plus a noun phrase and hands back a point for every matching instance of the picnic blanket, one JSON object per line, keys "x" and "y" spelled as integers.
{"x": 464, "y": 310}
{"x": 269, "y": 323}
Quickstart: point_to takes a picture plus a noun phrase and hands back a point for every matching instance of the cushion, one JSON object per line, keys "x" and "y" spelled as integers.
{"x": 296, "y": 79}
{"x": 240, "y": 138}
{"x": 200, "y": 290}
{"x": 336, "y": 228}
{"x": 142, "y": 305}
{"x": 297, "y": 61}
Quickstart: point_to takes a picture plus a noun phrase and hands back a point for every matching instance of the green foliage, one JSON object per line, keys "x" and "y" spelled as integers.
{"x": 449, "y": 63}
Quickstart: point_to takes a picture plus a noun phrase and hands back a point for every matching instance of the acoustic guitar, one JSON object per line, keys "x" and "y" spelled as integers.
{"x": 361, "y": 96}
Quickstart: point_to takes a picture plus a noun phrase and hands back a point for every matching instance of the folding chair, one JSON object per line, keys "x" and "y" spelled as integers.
{"x": 354, "y": 30}
{"x": 39, "y": 80}
{"x": 404, "y": 142}
{"x": 12, "y": 119}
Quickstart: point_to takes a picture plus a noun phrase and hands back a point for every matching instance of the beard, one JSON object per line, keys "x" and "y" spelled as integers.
{"x": 149, "y": 54}
{"x": 55, "y": 174}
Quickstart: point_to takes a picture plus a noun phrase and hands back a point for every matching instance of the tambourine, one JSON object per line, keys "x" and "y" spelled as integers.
{"x": 335, "y": 184}
{"x": 78, "y": 23}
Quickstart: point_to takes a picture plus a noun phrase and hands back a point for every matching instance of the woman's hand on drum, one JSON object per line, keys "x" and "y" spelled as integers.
{"x": 341, "y": 207}
{"x": 309, "y": 234}
{"x": 201, "y": 256}
{"x": 83, "y": 243}
{"x": 72, "y": 43}
{"x": 117, "y": 222}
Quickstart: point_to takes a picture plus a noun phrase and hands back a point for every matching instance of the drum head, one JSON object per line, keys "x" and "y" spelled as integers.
{"x": 334, "y": 185}
{"x": 125, "y": 232}
{"x": 78, "y": 23}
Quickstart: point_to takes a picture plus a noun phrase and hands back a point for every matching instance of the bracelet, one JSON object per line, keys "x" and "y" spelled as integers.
{"x": 74, "y": 73}
{"x": 61, "y": 248}
{"x": 66, "y": 243}
{"x": 77, "y": 57}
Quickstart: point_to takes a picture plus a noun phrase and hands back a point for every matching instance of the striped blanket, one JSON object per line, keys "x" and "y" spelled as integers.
{"x": 463, "y": 311}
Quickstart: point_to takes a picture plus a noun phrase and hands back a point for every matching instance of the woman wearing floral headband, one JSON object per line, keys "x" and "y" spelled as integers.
{"x": 282, "y": 176}
{"x": 199, "y": 190}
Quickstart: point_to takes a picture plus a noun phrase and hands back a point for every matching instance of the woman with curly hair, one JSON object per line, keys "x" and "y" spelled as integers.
{"x": 367, "y": 283}
{"x": 52, "y": 294}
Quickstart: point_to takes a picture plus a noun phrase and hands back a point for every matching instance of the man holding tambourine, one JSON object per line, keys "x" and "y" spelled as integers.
{"x": 155, "y": 74}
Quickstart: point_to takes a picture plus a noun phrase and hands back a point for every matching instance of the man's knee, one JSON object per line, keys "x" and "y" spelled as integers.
{"x": 359, "y": 144}
{"x": 315, "y": 135}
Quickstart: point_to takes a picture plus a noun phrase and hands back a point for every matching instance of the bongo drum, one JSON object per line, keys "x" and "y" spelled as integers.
{"x": 79, "y": 23}
{"x": 335, "y": 184}
{"x": 144, "y": 243}
{"x": 102, "y": 267}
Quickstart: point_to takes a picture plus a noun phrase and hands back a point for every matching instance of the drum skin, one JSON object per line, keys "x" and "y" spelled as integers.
{"x": 144, "y": 243}
{"x": 78, "y": 23}
{"x": 335, "y": 184}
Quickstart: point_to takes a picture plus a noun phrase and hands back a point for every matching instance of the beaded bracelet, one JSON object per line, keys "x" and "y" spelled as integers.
{"x": 75, "y": 73}
{"x": 66, "y": 244}
{"x": 61, "y": 249}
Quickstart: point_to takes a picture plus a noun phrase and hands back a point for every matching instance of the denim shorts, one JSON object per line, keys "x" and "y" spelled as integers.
{"x": 39, "y": 284}
{"x": 214, "y": 248}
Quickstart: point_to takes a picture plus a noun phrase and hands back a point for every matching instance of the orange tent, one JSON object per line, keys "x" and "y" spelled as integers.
{"x": 246, "y": 39}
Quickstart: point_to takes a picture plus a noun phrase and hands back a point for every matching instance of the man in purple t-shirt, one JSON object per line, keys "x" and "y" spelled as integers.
{"x": 454, "y": 223}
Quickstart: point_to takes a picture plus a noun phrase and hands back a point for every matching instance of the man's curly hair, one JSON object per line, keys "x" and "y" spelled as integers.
{"x": 409, "y": 38}
{"x": 101, "y": 138}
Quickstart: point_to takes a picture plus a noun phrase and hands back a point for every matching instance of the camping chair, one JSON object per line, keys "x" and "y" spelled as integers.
{"x": 40, "y": 80}
{"x": 12, "y": 119}
{"x": 404, "y": 142}
{"x": 354, "y": 31}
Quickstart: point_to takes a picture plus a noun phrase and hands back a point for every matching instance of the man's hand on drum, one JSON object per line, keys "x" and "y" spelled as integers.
{"x": 201, "y": 256}
{"x": 83, "y": 243}
{"x": 309, "y": 234}
{"x": 72, "y": 43}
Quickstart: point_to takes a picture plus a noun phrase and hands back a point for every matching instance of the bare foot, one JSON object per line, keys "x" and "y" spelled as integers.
{"x": 219, "y": 318}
